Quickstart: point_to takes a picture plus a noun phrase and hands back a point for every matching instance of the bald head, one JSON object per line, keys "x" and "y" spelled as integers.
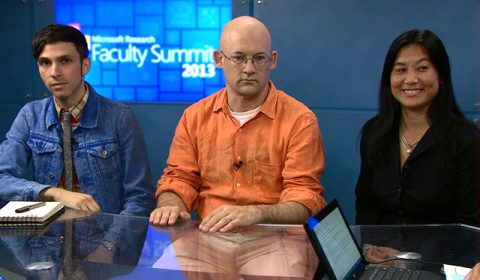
{"x": 245, "y": 30}
{"x": 246, "y": 58}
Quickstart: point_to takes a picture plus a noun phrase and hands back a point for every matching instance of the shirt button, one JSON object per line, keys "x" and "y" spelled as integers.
{"x": 104, "y": 153}
{"x": 51, "y": 176}
{"x": 60, "y": 150}
{"x": 238, "y": 184}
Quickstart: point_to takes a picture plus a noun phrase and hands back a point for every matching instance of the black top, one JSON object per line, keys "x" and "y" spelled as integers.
{"x": 434, "y": 185}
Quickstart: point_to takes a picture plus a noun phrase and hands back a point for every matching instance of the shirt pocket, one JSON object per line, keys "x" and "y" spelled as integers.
{"x": 267, "y": 178}
{"x": 104, "y": 161}
{"x": 43, "y": 155}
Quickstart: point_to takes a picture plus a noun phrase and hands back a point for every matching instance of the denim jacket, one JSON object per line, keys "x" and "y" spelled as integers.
{"x": 109, "y": 155}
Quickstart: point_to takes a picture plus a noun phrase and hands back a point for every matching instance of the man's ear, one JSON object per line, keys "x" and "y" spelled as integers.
{"x": 86, "y": 66}
{"x": 218, "y": 58}
{"x": 273, "y": 60}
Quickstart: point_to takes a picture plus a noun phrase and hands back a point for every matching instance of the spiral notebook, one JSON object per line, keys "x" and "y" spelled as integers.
{"x": 37, "y": 217}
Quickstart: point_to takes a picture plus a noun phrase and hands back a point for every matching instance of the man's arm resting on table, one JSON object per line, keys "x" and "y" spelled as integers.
{"x": 80, "y": 201}
{"x": 228, "y": 217}
{"x": 290, "y": 212}
{"x": 169, "y": 208}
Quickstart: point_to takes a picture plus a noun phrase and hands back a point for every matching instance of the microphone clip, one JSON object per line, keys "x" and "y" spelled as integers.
{"x": 237, "y": 165}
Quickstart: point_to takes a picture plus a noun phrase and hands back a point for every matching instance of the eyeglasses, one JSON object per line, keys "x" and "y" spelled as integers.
{"x": 259, "y": 60}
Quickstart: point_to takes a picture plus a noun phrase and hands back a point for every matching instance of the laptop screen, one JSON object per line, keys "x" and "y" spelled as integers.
{"x": 337, "y": 246}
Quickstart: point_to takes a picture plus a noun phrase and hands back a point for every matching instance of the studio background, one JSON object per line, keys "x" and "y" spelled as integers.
{"x": 331, "y": 54}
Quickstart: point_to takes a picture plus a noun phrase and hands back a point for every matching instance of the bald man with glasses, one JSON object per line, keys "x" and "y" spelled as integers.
{"x": 248, "y": 153}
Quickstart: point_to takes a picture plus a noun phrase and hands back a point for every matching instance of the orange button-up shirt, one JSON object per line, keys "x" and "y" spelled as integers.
{"x": 280, "y": 150}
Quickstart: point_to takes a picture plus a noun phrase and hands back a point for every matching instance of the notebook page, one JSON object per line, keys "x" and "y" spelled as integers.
{"x": 40, "y": 214}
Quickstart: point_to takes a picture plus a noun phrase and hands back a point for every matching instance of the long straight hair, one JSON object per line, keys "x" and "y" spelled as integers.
{"x": 441, "y": 111}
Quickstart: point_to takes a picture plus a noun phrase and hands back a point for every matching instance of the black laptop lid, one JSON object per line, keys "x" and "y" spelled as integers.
{"x": 334, "y": 243}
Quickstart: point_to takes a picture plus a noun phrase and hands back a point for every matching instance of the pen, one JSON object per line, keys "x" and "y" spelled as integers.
{"x": 29, "y": 207}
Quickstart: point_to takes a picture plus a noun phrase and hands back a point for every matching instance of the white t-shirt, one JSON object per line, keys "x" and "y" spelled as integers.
{"x": 243, "y": 117}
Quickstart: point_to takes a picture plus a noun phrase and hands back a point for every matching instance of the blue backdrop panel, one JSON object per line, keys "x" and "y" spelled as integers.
{"x": 132, "y": 47}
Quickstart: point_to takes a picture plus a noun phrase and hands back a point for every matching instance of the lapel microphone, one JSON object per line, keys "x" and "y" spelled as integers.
{"x": 237, "y": 165}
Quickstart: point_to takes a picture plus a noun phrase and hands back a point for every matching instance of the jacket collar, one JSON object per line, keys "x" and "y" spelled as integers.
{"x": 89, "y": 115}
{"x": 268, "y": 107}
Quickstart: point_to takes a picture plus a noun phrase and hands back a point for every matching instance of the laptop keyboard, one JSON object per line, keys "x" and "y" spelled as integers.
{"x": 393, "y": 273}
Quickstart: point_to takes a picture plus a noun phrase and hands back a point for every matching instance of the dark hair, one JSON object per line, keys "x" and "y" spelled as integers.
{"x": 441, "y": 111}
{"x": 55, "y": 33}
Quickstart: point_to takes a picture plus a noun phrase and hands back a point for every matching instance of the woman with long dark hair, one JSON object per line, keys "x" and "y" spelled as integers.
{"x": 420, "y": 157}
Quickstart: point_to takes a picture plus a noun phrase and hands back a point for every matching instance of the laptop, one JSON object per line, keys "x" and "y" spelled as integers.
{"x": 340, "y": 256}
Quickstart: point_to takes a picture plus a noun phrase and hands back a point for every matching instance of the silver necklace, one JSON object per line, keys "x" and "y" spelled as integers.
{"x": 408, "y": 146}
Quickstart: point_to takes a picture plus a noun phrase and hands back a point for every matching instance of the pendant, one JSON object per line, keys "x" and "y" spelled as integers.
{"x": 409, "y": 150}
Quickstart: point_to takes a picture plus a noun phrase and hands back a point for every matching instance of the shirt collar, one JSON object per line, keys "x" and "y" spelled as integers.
{"x": 77, "y": 109}
{"x": 268, "y": 107}
{"x": 270, "y": 104}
